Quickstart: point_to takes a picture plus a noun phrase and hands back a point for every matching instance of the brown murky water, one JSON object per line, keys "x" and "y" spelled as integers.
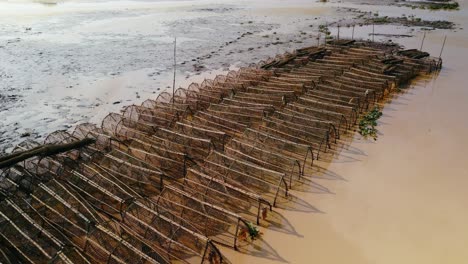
{"x": 401, "y": 199}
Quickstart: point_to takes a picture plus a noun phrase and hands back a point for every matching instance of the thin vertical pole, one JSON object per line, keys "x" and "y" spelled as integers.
{"x": 443, "y": 45}
{"x": 338, "y": 37}
{"x": 173, "y": 82}
{"x": 352, "y": 34}
{"x": 373, "y": 32}
{"x": 422, "y": 42}
{"x": 318, "y": 40}
{"x": 326, "y": 34}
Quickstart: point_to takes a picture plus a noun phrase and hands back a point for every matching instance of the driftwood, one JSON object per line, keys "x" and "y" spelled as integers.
{"x": 341, "y": 42}
{"x": 43, "y": 151}
{"x": 279, "y": 63}
{"x": 413, "y": 53}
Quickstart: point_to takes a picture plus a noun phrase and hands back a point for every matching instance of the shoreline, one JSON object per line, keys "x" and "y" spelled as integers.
{"x": 71, "y": 88}
{"x": 397, "y": 200}
{"x": 148, "y": 142}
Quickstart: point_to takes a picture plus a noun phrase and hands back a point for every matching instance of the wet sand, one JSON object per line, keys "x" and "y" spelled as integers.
{"x": 78, "y": 60}
{"x": 401, "y": 199}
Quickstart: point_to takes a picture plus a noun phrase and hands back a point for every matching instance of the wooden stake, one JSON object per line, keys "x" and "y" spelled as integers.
{"x": 173, "y": 82}
{"x": 373, "y": 32}
{"x": 443, "y": 45}
{"x": 352, "y": 34}
{"x": 326, "y": 35}
{"x": 422, "y": 42}
{"x": 338, "y": 37}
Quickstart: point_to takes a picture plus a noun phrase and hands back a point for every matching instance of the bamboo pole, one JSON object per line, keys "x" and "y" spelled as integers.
{"x": 44, "y": 151}
{"x": 443, "y": 45}
{"x": 373, "y": 32}
{"x": 173, "y": 82}
{"x": 422, "y": 42}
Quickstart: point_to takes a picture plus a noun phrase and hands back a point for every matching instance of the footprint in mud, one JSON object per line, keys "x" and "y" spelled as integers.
{"x": 198, "y": 68}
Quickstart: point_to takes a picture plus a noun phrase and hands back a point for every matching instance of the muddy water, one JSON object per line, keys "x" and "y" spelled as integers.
{"x": 401, "y": 199}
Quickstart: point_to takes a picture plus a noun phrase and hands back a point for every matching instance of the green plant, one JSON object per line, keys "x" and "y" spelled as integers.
{"x": 253, "y": 231}
{"x": 369, "y": 122}
{"x": 324, "y": 29}
{"x": 381, "y": 20}
{"x": 447, "y": 6}
{"x": 435, "y": 6}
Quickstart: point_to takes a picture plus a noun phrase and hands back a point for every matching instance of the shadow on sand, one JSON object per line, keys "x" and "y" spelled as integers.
{"x": 279, "y": 223}
{"x": 294, "y": 203}
{"x": 262, "y": 249}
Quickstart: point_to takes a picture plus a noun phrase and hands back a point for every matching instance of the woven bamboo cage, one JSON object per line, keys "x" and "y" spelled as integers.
{"x": 161, "y": 116}
{"x": 205, "y": 217}
{"x": 168, "y": 180}
{"x": 119, "y": 126}
{"x": 271, "y": 183}
{"x": 299, "y": 152}
{"x": 217, "y": 189}
{"x": 29, "y": 241}
{"x": 217, "y": 137}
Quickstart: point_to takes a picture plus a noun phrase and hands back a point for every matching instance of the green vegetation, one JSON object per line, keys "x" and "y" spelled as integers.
{"x": 250, "y": 231}
{"x": 381, "y": 20}
{"x": 448, "y": 6}
{"x": 369, "y": 122}
{"x": 324, "y": 29}
{"x": 410, "y": 21}
{"x": 253, "y": 231}
{"x": 436, "y": 6}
